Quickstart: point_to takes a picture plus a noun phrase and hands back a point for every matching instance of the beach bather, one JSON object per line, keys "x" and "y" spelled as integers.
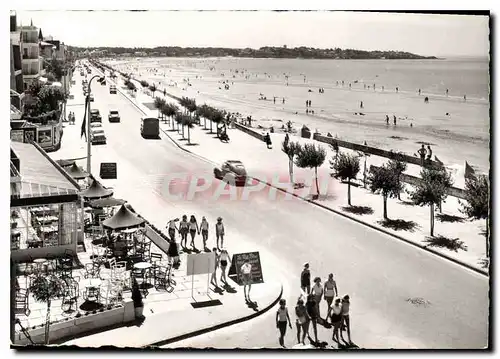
{"x": 422, "y": 152}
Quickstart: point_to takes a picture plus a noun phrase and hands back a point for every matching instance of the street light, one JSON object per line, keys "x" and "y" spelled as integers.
{"x": 89, "y": 144}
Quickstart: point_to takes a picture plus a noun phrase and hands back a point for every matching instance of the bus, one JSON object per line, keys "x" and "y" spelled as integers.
{"x": 150, "y": 127}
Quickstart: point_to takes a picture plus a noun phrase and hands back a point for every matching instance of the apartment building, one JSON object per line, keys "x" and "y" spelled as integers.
{"x": 32, "y": 62}
{"x": 16, "y": 73}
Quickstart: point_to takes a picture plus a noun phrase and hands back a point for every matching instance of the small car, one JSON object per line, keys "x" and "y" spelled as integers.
{"x": 95, "y": 125}
{"x": 98, "y": 137}
{"x": 95, "y": 116}
{"x": 113, "y": 116}
{"x": 112, "y": 89}
{"x": 233, "y": 171}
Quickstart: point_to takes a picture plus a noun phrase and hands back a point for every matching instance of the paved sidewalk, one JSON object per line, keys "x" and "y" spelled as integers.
{"x": 268, "y": 164}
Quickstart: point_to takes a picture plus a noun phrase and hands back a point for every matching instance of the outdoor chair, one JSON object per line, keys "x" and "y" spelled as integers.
{"x": 144, "y": 249}
{"x": 92, "y": 294}
{"x": 161, "y": 279}
{"x": 70, "y": 295}
{"x": 155, "y": 258}
{"x": 21, "y": 305}
{"x": 92, "y": 270}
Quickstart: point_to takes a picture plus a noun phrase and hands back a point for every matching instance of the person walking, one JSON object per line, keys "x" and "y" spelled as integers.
{"x": 219, "y": 232}
{"x": 193, "y": 228}
{"x": 224, "y": 260}
{"x": 387, "y": 119}
{"x": 302, "y": 321}
{"x": 305, "y": 279}
{"x": 213, "y": 280}
{"x": 345, "y": 318}
{"x": 171, "y": 228}
{"x": 313, "y": 314}
{"x": 183, "y": 231}
{"x": 317, "y": 291}
{"x": 204, "y": 231}
{"x": 330, "y": 290}
{"x": 422, "y": 153}
{"x": 246, "y": 278}
{"x": 282, "y": 319}
{"x": 335, "y": 314}
{"x": 173, "y": 253}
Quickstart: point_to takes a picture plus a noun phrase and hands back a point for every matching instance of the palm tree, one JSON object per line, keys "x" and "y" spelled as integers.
{"x": 189, "y": 123}
{"x": 159, "y": 105}
{"x": 202, "y": 111}
{"x": 44, "y": 289}
{"x": 153, "y": 89}
{"x": 191, "y": 106}
{"x": 171, "y": 110}
{"x": 216, "y": 117}
{"x": 179, "y": 119}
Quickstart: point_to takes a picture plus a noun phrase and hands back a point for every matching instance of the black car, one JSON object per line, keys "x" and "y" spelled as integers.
{"x": 232, "y": 171}
{"x": 95, "y": 116}
{"x": 113, "y": 116}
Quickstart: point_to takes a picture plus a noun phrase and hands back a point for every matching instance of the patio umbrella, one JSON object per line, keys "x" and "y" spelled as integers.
{"x": 76, "y": 172}
{"x": 106, "y": 202}
{"x": 65, "y": 163}
{"x": 123, "y": 219}
{"x": 96, "y": 191}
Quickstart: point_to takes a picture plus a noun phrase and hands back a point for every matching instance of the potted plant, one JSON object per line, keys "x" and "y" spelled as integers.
{"x": 137, "y": 298}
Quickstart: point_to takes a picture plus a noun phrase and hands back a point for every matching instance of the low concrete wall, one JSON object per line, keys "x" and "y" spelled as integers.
{"x": 452, "y": 191}
{"x": 157, "y": 239}
{"x": 22, "y": 255}
{"x": 249, "y": 131}
{"x": 77, "y": 326}
{"x": 371, "y": 150}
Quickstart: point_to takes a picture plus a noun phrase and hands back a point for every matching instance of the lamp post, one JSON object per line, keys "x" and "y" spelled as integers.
{"x": 89, "y": 144}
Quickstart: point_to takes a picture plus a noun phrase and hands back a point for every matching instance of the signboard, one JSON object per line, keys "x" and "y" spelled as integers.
{"x": 45, "y": 137}
{"x": 29, "y": 134}
{"x": 237, "y": 262}
{"x": 17, "y": 135}
{"x": 200, "y": 263}
{"x": 108, "y": 170}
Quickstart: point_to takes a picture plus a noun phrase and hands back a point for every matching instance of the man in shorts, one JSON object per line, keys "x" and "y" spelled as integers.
{"x": 246, "y": 278}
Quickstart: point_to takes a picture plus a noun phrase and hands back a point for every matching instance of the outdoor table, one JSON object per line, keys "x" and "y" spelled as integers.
{"x": 46, "y": 219}
{"x": 48, "y": 229}
{"x": 39, "y": 262}
{"x": 142, "y": 265}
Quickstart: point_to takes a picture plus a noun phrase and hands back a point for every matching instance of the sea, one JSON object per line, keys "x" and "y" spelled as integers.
{"x": 456, "y": 123}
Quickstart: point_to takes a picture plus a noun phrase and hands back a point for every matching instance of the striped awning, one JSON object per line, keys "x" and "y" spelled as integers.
{"x": 26, "y": 189}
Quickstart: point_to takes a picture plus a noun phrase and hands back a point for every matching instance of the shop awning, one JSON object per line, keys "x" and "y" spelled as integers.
{"x": 76, "y": 172}
{"x": 96, "y": 191}
{"x": 123, "y": 219}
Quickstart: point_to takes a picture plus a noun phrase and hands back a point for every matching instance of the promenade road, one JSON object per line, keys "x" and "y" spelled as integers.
{"x": 379, "y": 273}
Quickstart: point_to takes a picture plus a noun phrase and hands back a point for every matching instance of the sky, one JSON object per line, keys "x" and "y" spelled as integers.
{"x": 424, "y": 34}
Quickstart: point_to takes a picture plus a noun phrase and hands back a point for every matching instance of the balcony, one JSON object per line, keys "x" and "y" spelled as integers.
{"x": 30, "y": 57}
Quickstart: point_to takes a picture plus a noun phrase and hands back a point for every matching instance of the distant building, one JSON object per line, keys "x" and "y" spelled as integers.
{"x": 32, "y": 62}
{"x": 16, "y": 66}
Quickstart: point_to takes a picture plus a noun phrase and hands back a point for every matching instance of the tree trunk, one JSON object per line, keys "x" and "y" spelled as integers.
{"x": 317, "y": 185}
{"x": 349, "y": 191}
{"x": 47, "y": 323}
{"x": 189, "y": 136}
{"x": 204, "y": 123}
{"x": 211, "y": 126}
{"x": 172, "y": 120}
{"x": 399, "y": 192}
{"x": 488, "y": 237}
{"x": 432, "y": 219}
{"x": 183, "y": 131}
{"x": 385, "y": 207}
{"x": 290, "y": 169}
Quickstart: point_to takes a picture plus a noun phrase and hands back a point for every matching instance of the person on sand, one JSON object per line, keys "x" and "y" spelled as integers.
{"x": 219, "y": 232}
{"x": 305, "y": 279}
{"x": 283, "y": 100}
{"x": 361, "y": 104}
{"x": 204, "y": 231}
{"x": 335, "y": 314}
{"x": 429, "y": 153}
{"x": 387, "y": 119}
{"x": 394, "y": 120}
{"x": 345, "y": 318}
{"x": 422, "y": 152}
{"x": 302, "y": 321}
{"x": 193, "y": 228}
{"x": 224, "y": 260}
{"x": 313, "y": 314}
{"x": 419, "y": 92}
{"x": 465, "y": 98}
{"x": 446, "y": 92}
{"x": 267, "y": 139}
{"x": 282, "y": 319}
{"x": 330, "y": 290}
{"x": 317, "y": 290}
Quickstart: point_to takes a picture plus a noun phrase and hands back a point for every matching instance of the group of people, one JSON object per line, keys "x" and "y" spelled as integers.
{"x": 308, "y": 312}
{"x": 71, "y": 117}
{"x": 423, "y": 153}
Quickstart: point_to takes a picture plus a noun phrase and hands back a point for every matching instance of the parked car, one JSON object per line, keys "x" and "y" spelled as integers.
{"x": 233, "y": 171}
{"x": 96, "y": 125}
{"x": 113, "y": 116}
{"x": 150, "y": 127}
{"x": 97, "y": 136}
{"x": 95, "y": 116}
{"x": 112, "y": 89}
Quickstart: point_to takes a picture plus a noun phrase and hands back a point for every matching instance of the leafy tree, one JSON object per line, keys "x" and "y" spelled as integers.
{"x": 291, "y": 149}
{"x": 153, "y": 89}
{"x": 51, "y": 97}
{"x": 345, "y": 167}
{"x": 169, "y": 110}
{"x": 191, "y": 106}
{"x": 144, "y": 83}
{"x": 432, "y": 189}
{"x": 202, "y": 111}
{"x": 188, "y": 123}
{"x": 45, "y": 289}
{"x": 311, "y": 156}
{"x": 50, "y": 77}
{"x": 56, "y": 67}
{"x": 478, "y": 202}
{"x": 216, "y": 116}
{"x": 159, "y": 104}
{"x": 398, "y": 165}
{"x": 179, "y": 119}
{"x": 384, "y": 180}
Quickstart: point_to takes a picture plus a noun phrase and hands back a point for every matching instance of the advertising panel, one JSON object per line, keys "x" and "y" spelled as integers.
{"x": 45, "y": 137}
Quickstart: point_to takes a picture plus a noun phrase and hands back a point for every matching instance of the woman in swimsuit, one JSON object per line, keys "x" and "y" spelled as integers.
{"x": 317, "y": 291}
{"x": 224, "y": 260}
{"x": 345, "y": 318}
{"x": 171, "y": 227}
{"x": 302, "y": 321}
{"x": 193, "y": 228}
{"x": 313, "y": 314}
{"x": 330, "y": 290}
{"x": 183, "y": 230}
{"x": 282, "y": 319}
{"x": 204, "y": 231}
{"x": 217, "y": 260}
{"x": 335, "y": 314}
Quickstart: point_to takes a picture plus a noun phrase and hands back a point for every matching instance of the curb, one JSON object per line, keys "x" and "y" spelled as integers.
{"x": 425, "y": 248}
{"x": 217, "y": 326}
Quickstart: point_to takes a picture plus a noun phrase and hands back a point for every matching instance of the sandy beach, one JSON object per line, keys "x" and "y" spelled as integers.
{"x": 457, "y": 130}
